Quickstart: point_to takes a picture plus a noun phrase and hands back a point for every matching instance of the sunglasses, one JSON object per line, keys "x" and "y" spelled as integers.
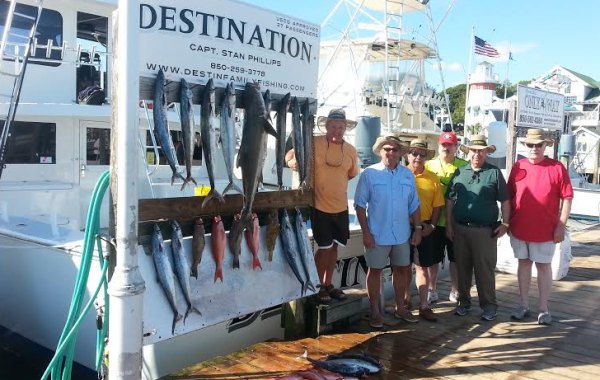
{"x": 395, "y": 150}
{"x": 418, "y": 154}
{"x": 538, "y": 145}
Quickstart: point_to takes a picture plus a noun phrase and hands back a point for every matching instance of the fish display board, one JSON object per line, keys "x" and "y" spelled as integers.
{"x": 229, "y": 41}
{"x": 242, "y": 292}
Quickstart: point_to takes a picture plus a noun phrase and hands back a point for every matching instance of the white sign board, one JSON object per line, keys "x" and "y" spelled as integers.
{"x": 228, "y": 41}
{"x": 540, "y": 109}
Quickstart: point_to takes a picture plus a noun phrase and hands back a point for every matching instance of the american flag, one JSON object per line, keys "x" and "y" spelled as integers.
{"x": 483, "y": 48}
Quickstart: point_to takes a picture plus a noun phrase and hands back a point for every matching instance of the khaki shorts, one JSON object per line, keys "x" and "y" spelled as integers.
{"x": 398, "y": 254}
{"x": 536, "y": 252}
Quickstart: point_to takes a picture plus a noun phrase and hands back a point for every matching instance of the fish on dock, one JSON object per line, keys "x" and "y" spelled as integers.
{"x": 161, "y": 125}
{"x": 209, "y": 138}
{"x": 290, "y": 249}
{"x": 342, "y": 368}
{"x": 272, "y": 233}
{"x": 164, "y": 272}
{"x": 235, "y": 240}
{"x": 217, "y": 242}
{"x": 182, "y": 268}
{"x": 252, "y": 239}
{"x": 228, "y": 104}
{"x": 281, "y": 120}
{"x": 304, "y": 248}
{"x": 253, "y": 149}
{"x": 198, "y": 243}
{"x": 188, "y": 125}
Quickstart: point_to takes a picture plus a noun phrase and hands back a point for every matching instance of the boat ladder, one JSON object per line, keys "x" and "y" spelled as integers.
{"x": 16, "y": 47}
{"x": 393, "y": 35}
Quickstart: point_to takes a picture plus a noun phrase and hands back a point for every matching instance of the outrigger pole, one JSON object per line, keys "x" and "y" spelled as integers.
{"x": 127, "y": 286}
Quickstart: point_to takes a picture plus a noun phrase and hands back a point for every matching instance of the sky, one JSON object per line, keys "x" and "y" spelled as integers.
{"x": 541, "y": 33}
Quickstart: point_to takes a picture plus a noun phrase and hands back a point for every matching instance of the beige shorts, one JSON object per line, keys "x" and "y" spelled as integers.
{"x": 536, "y": 252}
{"x": 379, "y": 256}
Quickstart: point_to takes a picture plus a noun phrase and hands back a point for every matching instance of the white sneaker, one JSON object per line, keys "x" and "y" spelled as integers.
{"x": 432, "y": 296}
{"x": 453, "y": 296}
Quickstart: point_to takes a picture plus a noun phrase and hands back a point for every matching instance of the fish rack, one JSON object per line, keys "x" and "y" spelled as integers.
{"x": 187, "y": 209}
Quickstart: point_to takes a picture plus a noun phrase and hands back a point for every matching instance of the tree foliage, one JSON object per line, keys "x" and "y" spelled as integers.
{"x": 457, "y": 96}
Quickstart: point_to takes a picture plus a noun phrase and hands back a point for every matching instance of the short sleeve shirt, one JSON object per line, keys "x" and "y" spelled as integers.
{"x": 390, "y": 197}
{"x": 430, "y": 193}
{"x": 444, "y": 172}
{"x": 331, "y": 180}
{"x": 476, "y": 193}
{"x": 535, "y": 193}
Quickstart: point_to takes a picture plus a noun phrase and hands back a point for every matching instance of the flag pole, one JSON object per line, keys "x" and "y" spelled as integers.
{"x": 468, "y": 74}
{"x": 504, "y": 110}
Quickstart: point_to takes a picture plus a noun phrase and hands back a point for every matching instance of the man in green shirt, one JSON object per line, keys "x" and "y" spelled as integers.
{"x": 472, "y": 224}
{"x": 444, "y": 166}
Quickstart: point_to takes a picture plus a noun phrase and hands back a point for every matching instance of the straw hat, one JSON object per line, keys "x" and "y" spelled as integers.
{"x": 389, "y": 139}
{"x": 535, "y": 136}
{"x": 478, "y": 142}
{"x": 335, "y": 114}
{"x": 421, "y": 144}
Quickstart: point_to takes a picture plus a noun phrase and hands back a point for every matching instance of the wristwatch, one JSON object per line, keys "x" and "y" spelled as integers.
{"x": 432, "y": 226}
{"x": 418, "y": 227}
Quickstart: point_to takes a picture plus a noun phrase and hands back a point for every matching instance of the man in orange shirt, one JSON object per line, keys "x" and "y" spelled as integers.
{"x": 335, "y": 163}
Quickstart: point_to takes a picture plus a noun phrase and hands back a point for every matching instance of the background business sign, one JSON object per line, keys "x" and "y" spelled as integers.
{"x": 540, "y": 109}
{"x": 229, "y": 41}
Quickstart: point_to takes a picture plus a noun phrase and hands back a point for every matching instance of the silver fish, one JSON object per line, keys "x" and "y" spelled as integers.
{"x": 298, "y": 143}
{"x": 161, "y": 125}
{"x": 209, "y": 138}
{"x": 290, "y": 249}
{"x": 182, "y": 267}
{"x": 284, "y": 106}
{"x": 235, "y": 240}
{"x": 164, "y": 272}
{"x": 228, "y": 135}
{"x": 186, "y": 114}
{"x": 363, "y": 360}
{"x": 307, "y": 137}
{"x": 337, "y": 367}
{"x": 253, "y": 150}
{"x": 304, "y": 248}
{"x": 198, "y": 243}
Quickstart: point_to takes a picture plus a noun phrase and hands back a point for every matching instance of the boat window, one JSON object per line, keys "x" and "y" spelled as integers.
{"x": 97, "y": 146}
{"x": 92, "y": 34}
{"x": 50, "y": 28}
{"x": 177, "y": 138}
{"x": 31, "y": 143}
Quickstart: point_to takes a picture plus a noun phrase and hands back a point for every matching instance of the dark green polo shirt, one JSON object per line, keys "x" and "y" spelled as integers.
{"x": 475, "y": 194}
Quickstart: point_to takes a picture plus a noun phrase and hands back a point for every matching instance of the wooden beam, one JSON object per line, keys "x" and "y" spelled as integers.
{"x": 172, "y": 92}
{"x": 511, "y": 138}
{"x": 184, "y": 208}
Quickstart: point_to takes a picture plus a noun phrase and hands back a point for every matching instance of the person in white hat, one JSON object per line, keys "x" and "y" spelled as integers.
{"x": 472, "y": 223}
{"x": 336, "y": 162}
{"x": 541, "y": 193}
{"x": 385, "y": 198}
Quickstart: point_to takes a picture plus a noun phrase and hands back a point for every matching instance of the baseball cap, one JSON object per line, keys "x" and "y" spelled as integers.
{"x": 448, "y": 137}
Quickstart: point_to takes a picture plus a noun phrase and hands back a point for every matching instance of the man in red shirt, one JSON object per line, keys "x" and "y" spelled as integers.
{"x": 540, "y": 194}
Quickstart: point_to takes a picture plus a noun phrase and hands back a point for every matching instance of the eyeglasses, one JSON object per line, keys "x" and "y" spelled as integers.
{"x": 395, "y": 150}
{"x": 538, "y": 145}
{"x": 418, "y": 154}
{"x": 335, "y": 165}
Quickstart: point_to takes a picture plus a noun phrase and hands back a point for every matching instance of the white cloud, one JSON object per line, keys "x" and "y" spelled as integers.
{"x": 515, "y": 48}
{"x": 449, "y": 67}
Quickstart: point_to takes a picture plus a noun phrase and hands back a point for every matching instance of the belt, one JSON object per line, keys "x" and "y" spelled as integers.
{"x": 476, "y": 225}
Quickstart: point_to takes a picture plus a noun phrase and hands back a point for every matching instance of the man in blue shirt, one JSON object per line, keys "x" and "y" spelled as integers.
{"x": 385, "y": 198}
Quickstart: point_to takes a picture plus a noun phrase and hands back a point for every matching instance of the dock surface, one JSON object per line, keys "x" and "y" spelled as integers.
{"x": 457, "y": 347}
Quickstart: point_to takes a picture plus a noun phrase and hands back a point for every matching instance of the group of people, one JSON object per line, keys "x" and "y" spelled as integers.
{"x": 438, "y": 207}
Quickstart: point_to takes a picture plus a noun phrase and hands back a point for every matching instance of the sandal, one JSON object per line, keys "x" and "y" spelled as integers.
{"x": 323, "y": 296}
{"x": 334, "y": 293}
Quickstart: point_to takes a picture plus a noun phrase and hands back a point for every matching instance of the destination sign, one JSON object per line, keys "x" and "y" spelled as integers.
{"x": 540, "y": 109}
{"x": 229, "y": 41}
